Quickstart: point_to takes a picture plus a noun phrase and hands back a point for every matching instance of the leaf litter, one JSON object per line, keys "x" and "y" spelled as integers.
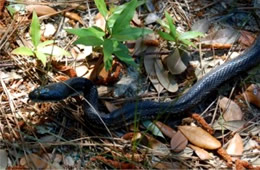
{"x": 48, "y": 136}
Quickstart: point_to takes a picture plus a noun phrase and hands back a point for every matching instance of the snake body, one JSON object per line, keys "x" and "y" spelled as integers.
{"x": 146, "y": 109}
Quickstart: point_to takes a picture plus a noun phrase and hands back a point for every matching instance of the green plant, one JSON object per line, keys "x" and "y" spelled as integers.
{"x": 174, "y": 35}
{"x": 39, "y": 49}
{"x": 117, "y": 31}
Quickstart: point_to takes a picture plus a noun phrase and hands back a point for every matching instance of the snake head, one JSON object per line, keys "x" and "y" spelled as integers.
{"x": 40, "y": 94}
{"x": 49, "y": 93}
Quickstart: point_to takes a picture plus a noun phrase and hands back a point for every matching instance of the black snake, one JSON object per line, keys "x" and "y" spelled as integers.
{"x": 146, "y": 109}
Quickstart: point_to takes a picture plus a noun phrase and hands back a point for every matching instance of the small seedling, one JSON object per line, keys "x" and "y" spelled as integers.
{"x": 175, "y": 36}
{"x": 117, "y": 31}
{"x": 38, "y": 46}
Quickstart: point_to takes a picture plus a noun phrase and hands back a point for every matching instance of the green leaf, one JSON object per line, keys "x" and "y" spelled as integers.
{"x": 53, "y": 50}
{"x": 116, "y": 12}
{"x": 153, "y": 128}
{"x": 42, "y": 57}
{"x": 11, "y": 10}
{"x": 122, "y": 54}
{"x": 163, "y": 24}
{"x": 130, "y": 33}
{"x": 23, "y": 51}
{"x": 91, "y": 31}
{"x": 89, "y": 41}
{"x": 102, "y": 8}
{"x": 171, "y": 25}
{"x": 35, "y": 30}
{"x": 108, "y": 50}
{"x": 45, "y": 43}
{"x": 166, "y": 36}
{"x": 123, "y": 20}
{"x": 188, "y": 43}
{"x": 190, "y": 35}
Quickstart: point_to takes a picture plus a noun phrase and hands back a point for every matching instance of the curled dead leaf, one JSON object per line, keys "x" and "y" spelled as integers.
{"x": 200, "y": 137}
{"x": 252, "y": 94}
{"x": 166, "y": 79}
{"x": 158, "y": 148}
{"x": 174, "y": 63}
{"x": 166, "y": 130}
{"x": 33, "y": 161}
{"x": 178, "y": 142}
{"x": 99, "y": 21}
{"x": 40, "y": 9}
{"x": 74, "y": 16}
{"x": 202, "y": 154}
{"x": 149, "y": 61}
{"x": 231, "y": 111}
{"x": 235, "y": 146}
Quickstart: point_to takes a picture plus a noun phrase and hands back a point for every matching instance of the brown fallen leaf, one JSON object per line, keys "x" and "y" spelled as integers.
{"x": 166, "y": 79}
{"x": 178, "y": 142}
{"x": 33, "y": 161}
{"x": 252, "y": 94}
{"x": 174, "y": 63}
{"x": 149, "y": 61}
{"x": 200, "y": 137}
{"x": 68, "y": 70}
{"x": 166, "y": 130}
{"x": 246, "y": 38}
{"x": 169, "y": 165}
{"x": 158, "y": 148}
{"x": 202, "y": 154}
{"x": 75, "y": 17}
{"x": 99, "y": 21}
{"x": 235, "y": 147}
{"x": 113, "y": 163}
{"x": 40, "y": 9}
{"x": 231, "y": 111}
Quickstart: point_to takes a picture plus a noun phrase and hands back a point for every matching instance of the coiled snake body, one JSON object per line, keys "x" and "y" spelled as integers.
{"x": 146, "y": 109}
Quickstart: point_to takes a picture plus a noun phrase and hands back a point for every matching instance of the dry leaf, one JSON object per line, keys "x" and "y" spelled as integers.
{"x": 166, "y": 79}
{"x": 231, "y": 111}
{"x": 115, "y": 164}
{"x": 128, "y": 136}
{"x": 178, "y": 142}
{"x": 174, "y": 63}
{"x": 136, "y": 19}
{"x": 149, "y": 61}
{"x": 33, "y": 161}
{"x": 246, "y": 38}
{"x": 68, "y": 70}
{"x": 168, "y": 165}
{"x": 202, "y": 154}
{"x": 234, "y": 125}
{"x": 235, "y": 146}
{"x": 82, "y": 70}
{"x": 252, "y": 94}
{"x": 40, "y": 9}
{"x": 158, "y": 148}
{"x": 99, "y": 21}
{"x": 200, "y": 137}
{"x": 226, "y": 36}
{"x": 166, "y": 130}
{"x": 75, "y": 17}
